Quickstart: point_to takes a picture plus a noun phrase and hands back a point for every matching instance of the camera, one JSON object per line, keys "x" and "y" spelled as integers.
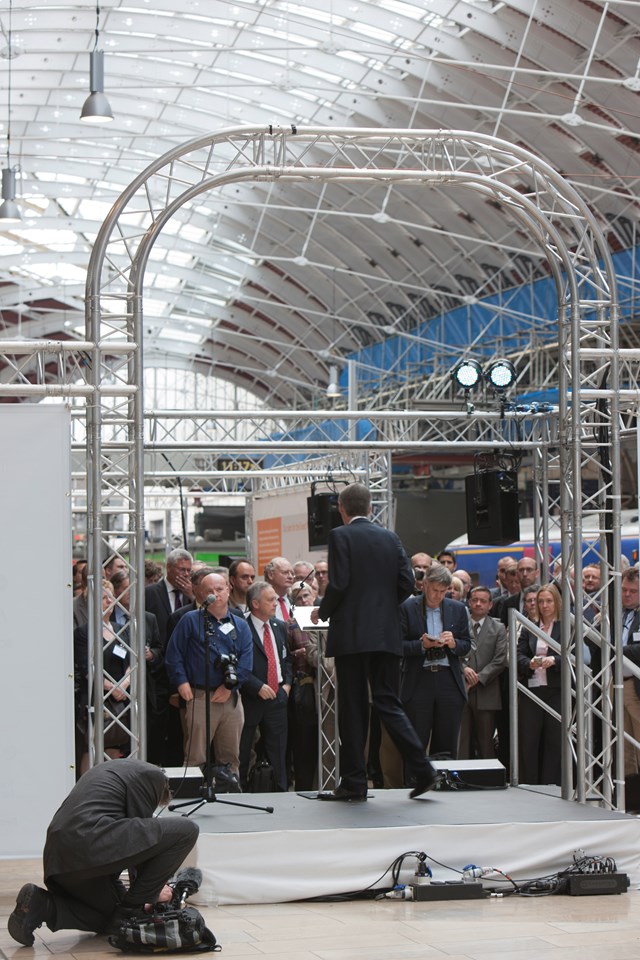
{"x": 227, "y": 663}
{"x": 418, "y": 575}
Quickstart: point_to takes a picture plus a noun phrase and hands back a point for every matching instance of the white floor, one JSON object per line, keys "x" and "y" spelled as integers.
{"x": 551, "y": 928}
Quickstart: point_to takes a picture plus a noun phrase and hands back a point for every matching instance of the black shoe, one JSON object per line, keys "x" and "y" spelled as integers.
{"x": 341, "y": 793}
{"x": 33, "y": 907}
{"x": 425, "y": 782}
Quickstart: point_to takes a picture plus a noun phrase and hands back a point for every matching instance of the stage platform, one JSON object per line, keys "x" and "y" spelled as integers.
{"x": 309, "y": 848}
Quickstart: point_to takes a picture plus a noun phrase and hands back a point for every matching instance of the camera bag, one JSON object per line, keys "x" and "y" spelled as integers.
{"x": 169, "y": 929}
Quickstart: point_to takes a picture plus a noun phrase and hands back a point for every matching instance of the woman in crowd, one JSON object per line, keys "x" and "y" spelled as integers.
{"x": 303, "y": 713}
{"x": 539, "y": 669}
{"x": 116, "y": 680}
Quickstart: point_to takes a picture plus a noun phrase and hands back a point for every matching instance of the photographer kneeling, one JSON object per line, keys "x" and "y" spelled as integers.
{"x": 105, "y": 825}
{"x": 230, "y": 662}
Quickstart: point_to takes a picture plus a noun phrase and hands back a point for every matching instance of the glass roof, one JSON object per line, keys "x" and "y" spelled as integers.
{"x": 238, "y": 279}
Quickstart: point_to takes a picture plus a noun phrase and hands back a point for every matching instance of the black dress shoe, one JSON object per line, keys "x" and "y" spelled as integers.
{"x": 33, "y": 907}
{"x": 425, "y": 782}
{"x": 341, "y": 793}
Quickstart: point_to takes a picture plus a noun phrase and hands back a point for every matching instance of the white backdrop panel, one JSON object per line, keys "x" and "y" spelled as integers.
{"x": 36, "y": 637}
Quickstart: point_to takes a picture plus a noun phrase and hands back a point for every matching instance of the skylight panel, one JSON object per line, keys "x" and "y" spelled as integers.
{"x": 321, "y": 74}
{"x": 172, "y": 333}
{"x": 288, "y": 37}
{"x": 374, "y": 33}
{"x": 313, "y": 13}
{"x": 404, "y": 9}
{"x": 55, "y": 271}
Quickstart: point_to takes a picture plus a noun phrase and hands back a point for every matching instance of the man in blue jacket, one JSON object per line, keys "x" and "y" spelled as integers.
{"x": 228, "y": 636}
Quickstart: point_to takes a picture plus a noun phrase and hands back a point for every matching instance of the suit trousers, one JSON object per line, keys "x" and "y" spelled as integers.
{"x": 380, "y": 672}
{"x": 477, "y": 730}
{"x": 632, "y": 726}
{"x": 435, "y": 710}
{"x": 539, "y": 735}
{"x": 227, "y": 720}
{"x": 271, "y": 718}
{"x": 87, "y": 899}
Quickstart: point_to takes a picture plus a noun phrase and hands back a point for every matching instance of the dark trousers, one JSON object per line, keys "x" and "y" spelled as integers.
{"x": 380, "y": 672}
{"x": 86, "y": 899}
{"x": 271, "y": 718}
{"x": 477, "y": 731}
{"x": 539, "y": 736}
{"x": 435, "y": 710}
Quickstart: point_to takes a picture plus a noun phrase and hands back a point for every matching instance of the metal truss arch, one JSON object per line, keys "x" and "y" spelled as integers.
{"x": 540, "y": 198}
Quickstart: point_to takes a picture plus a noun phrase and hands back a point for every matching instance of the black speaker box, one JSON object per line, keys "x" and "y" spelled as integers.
{"x": 322, "y": 517}
{"x": 492, "y": 507}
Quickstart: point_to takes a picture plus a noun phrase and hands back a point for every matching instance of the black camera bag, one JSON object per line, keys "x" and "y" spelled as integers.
{"x": 170, "y": 929}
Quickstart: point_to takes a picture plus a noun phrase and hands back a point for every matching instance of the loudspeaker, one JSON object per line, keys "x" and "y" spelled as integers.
{"x": 492, "y": 507}
{"x": 322, "y": 517}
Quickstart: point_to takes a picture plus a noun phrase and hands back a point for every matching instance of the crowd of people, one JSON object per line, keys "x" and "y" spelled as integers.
{"x": 450, "y": 644}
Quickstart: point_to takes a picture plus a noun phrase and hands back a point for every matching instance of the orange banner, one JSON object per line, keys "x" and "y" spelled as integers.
{"x": 269, "y": 545}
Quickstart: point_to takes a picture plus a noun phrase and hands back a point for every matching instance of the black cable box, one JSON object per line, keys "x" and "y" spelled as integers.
{"x": 471, "y": 774}
{"x": 597, "y": 884}
{"x": 449, "y": 890}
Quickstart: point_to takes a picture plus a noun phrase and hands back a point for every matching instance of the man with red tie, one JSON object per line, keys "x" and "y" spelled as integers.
{"x": 265, "y": 692}
{"x": 279, "y": 574}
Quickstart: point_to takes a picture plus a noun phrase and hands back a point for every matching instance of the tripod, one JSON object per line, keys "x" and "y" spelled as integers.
{"x": 207, "y": 792}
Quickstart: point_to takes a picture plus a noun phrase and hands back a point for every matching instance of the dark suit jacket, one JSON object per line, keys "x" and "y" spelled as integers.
{"x": 454, "y": 618}
{"x": 527, "y": 644}
{"x": 156, "y": 601}
{"x": 631, "y": 650}
{"x": 501, "y": 607}
{"x": 253, "y": 704}
{"x": 108, "y": 815}
{"x": 369, "y": 576}
{"x": 488, "y": 659}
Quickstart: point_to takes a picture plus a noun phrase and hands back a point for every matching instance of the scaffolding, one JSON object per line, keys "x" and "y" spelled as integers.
{"x": 123, "y": 442}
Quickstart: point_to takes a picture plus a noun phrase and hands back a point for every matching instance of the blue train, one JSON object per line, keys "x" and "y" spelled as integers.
{"x": 481, "y": 561}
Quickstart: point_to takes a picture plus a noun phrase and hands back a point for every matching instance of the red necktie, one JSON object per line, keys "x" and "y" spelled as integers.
{"x": 270, "y": 650}
{"x": 283, "y": 607}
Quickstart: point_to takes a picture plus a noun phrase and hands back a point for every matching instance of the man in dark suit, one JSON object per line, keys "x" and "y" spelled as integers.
{"x": 105, "y": 825}
{"x": 631, "y": 685}
{"x": 369, "y": 576}
{"x": 528, "y": 575}
{"x": 172, "y": 592}
{"x": 435, "y": 633}
{"x": 482, "y": 668}
{"x": 265, "y": 692}
{"x": 162, "y": 599}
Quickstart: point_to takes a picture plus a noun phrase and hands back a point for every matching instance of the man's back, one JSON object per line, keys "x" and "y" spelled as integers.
{"x": 369, "y": 575}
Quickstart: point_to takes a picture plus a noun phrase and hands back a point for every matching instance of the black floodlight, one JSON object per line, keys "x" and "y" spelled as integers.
{"x": 501, "y": 374}
{"x": 467, "y": 374}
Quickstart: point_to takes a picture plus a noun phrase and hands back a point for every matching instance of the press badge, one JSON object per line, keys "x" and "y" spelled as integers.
{"x": 119, "y": 651}
{"x": 225, "y": 628}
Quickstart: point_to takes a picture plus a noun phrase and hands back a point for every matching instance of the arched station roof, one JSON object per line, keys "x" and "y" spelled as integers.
{"x": 269, "y": 284}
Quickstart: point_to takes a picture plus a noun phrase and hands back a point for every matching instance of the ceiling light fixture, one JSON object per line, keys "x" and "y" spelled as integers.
{"x": 9, "y": 210}
{"x": 96, "y": 108}
{"x": 333, "y": 389}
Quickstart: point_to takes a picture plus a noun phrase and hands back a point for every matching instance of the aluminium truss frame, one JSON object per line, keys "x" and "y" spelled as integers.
{"x": 588, "y": 423}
